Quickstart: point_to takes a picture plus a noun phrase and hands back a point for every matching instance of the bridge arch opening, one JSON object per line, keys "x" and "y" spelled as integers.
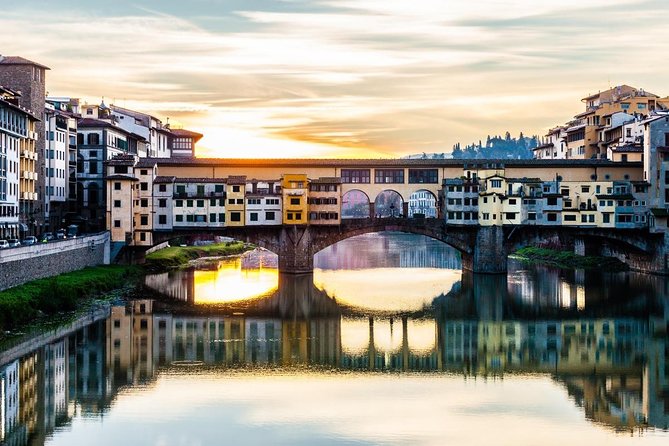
{"x": 355, "y": 204}
{"x": 423, "y": 203}
{"x": 388, "y": 204}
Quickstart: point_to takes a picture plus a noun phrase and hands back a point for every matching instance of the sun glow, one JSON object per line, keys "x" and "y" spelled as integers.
{"x": 395, "y": 289}
{"x": 231, "y": 283}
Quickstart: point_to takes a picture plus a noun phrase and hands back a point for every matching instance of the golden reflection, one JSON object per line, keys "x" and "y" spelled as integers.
{"x": 388, "y": 335}
{"x": 354, "y": 335}
{"x": 230, "y": 283}
{"x": 386, "y": 289}
{"x": 422, "y": 335}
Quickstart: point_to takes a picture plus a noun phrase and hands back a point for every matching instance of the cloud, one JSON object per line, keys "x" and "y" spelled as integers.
{"x": 345, "y": 77}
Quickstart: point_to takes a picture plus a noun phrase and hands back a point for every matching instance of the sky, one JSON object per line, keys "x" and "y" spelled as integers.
{"x": 343, "y": 78}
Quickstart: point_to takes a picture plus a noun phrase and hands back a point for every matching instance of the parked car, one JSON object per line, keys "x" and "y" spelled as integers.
{"x": 72, "y": 231}
{"x": 30, "y": 240}
{"x": 46, "y": 237}
{"x": 60, "y": 234}
{"x": 13, "y": 242}
{"x": 4, "y": 244}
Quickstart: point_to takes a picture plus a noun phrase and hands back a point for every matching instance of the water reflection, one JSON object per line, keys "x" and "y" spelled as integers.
{"x": 166, "y": 363}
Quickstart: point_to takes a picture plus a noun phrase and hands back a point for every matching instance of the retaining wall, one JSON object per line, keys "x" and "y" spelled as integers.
{"x": 21, "y": 265}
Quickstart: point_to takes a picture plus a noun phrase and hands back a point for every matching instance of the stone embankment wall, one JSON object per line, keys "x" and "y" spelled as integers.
{"x": 21, "y": 265}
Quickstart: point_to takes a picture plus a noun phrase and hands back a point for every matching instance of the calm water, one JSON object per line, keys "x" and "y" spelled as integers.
{"x": 388, "y": 342}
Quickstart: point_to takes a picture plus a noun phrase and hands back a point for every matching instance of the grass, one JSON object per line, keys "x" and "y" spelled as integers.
{"x": 567, "y": 259}
{"x": 21, "y": 304}
{"x": 176, "y": 256}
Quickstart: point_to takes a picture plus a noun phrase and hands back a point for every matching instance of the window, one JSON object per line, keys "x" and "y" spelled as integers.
{"x": 298, "y": 215}
{"x": 235, "y": 216}
{"x": 200, "y": 203}
{"x": 253, "y": 216}
{"x": 189, "y": 203}
{"x": 510, "y": 215}
{"x": 179, "y": 203}
{"x": 162, "y": 219}
{"x": 179, "y": 218}
{"x": 218, "y": 188}
{"x": 585, "y": 189}
{"x": 200, "y": 190}
{"x": 269, "y": 215}
{"x": 355, "y": 175}
{"x": 551, "y": 217}
{"x": 181, "y": 189}
{"x": 93, "y": 167}
{"x": 144, "y": 220}
{"x": 532, "y": 216}
{"x": 495, "y": 183}
{"x": 117, "y": 185}
{"x": 295, "y": 201}
{"x": 162, "y": 203}
{"x": 389, "y": 176}
{"x": 512, "y": 201}
{"x": 117, "y": 223}
{"x": 117, "y": 203}
{"x": 551, "y": 201}
{"x": 221, "y": 217}
{"x": 289, "y": 216}
{"x": 427, "y": 176}
{"x": 567, "y": 218}
{"x": 144, "y": 203}
{"x": 144, "y": 186}
{"x": 235, "y": 188}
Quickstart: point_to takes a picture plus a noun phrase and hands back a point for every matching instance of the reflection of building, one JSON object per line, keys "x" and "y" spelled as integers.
{"x": 9, "y": 400}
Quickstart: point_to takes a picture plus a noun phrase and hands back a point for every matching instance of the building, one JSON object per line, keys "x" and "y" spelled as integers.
{"x": 295, "y": 199}
{"x": 60, "y": 162}
{"x": 182, "y": 142}
{"x": 597, "y": 132}
{"x": 263, "y": 202}
{"x": 99, "y": 140}
{"x": 29, "y": 78}
{"x": 656, "y": 167}
{"x": 18, "y": 177}
{"x": 324, "y": 201}
{"x": 236, "y": 193}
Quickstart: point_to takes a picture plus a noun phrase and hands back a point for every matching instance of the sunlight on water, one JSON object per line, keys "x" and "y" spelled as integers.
{"x": 231, "y": 283}
{"x": 386, "y": 289}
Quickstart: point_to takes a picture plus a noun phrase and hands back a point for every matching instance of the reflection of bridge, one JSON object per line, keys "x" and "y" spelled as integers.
{"x": 484, "y": 249}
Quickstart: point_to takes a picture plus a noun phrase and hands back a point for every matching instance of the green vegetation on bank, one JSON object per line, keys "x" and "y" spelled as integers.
{"x": 176, "y": 256}
{"x": 567, "y": 259}
{"x": 25, "y": 302}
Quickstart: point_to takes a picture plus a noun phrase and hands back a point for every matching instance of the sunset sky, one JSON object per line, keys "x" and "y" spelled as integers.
{"x": 343, "y": 78}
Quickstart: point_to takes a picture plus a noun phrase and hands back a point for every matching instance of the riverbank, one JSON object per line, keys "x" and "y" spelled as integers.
{"x": 567, "y": 259}
{"x": 22, "y": 304}
{"x": 178, "y": 256}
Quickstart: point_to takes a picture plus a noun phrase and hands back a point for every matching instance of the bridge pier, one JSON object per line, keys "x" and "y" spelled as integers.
{"x": 296, "y": 253}
{"x": 488, "y": 255}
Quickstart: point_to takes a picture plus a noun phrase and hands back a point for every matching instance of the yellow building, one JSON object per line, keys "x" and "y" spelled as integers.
{"x": 121, "y": 194}
{"x": 492, "y": 193}
{"x": 234, "y": 209}
{"x": 295, "y": 205}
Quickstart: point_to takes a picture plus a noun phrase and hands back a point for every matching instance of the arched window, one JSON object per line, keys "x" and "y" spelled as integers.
{"x": 355, "y": 204}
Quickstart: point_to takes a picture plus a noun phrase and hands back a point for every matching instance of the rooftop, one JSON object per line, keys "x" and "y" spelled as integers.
{"x": 17, "y": 60}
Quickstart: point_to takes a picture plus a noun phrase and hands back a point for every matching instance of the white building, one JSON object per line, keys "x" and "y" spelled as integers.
{"x": 263, "y": 203}
{"x": 9, "y": 399}
{"x": 60, "y": 132}
{"x": 13, "y": 128}
{"x": 147, "y": 126}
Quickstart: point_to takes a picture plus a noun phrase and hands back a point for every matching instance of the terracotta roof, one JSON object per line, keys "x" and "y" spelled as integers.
{"x": 164, "y": 180}
{"x": 201, "y": 180}
{"x": 122, "y": 177}
{"x": 237, "y": 179}
{"x": 18, "y": 60}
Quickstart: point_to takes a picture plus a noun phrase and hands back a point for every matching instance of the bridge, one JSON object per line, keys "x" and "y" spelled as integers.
{"x": 484, "y": 249}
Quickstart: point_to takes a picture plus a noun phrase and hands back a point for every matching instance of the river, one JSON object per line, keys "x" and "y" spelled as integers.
{"x": 388, "y": 342}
